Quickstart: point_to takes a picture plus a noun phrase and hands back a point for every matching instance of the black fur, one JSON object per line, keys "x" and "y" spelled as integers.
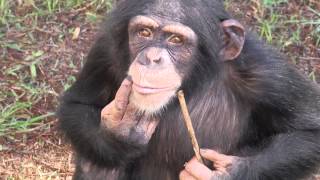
{"x": 257, "y": 107}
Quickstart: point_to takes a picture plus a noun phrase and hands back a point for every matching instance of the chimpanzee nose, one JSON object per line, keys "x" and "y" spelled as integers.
{"x": 154, "y": 54}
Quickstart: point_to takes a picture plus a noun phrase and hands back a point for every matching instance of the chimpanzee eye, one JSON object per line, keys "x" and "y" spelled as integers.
{"x": 145, "y": 32}
{"x": 176, "y": 39}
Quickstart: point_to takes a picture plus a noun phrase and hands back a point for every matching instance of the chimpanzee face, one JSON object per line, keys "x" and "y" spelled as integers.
{"x": 161, "y": 51}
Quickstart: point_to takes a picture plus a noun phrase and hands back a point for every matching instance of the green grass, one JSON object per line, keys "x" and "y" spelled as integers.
{"x": 5, "y": 12}
{"x": 47, "y": 8}
{"x": 57, "y": 5}
{"x": 270, "y": 3}
{"x": 23, "y": 90}
{"x": 309, "y": 22}
{"x": 271, "y": 22}
{"x": 286, "y": 30}
{"x": 268, "y": 26}
{"x": 12, "y": 121}
{"x": 16, "y": 114}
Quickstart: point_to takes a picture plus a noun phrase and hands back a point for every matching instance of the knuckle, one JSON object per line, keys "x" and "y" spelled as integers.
{"x": 108, "y": 108}
{"x": 127, "y": 82}
{"x": 124, "y": 88}
{"x": 106, "y": 116}
{"x": 122, "y": 101}
{"x": 188, "y": 166}
{"x": 182, "y": 175}
{"x": 126, "y": 85}
{"x": 121, "y": 104}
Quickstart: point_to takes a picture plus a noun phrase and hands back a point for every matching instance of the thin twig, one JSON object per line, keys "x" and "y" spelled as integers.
{"x": 188, "y": 123}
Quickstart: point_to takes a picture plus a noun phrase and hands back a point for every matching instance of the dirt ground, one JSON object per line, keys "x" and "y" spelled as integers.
{"x": 42, "y": 152}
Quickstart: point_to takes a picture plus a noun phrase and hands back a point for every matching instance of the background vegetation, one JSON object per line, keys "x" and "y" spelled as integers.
{"x": 43, "y": 44}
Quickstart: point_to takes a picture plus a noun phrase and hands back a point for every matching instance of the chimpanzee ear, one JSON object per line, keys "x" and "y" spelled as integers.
{"x": 234, "y": 37}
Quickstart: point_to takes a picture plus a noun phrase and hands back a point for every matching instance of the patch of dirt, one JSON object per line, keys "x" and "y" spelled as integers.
{"x": 42, "y": 153}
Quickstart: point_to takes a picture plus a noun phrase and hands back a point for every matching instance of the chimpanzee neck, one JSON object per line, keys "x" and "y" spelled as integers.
{"x": 214, "y": 111}
{"x": 217, "y": 106}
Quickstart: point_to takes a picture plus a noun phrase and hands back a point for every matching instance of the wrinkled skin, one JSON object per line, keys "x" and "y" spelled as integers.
{"x": 124, "y": 120}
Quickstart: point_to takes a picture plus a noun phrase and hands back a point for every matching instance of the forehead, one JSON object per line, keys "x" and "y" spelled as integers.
{"x": 170, "y": 10}
{"x": 153, "y": 21}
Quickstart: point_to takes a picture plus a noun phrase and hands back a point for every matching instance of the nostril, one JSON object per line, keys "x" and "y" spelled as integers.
{"x": 154, "y": 55}
{"x": 144, "y": 61}
{"x": 157, "y": 60}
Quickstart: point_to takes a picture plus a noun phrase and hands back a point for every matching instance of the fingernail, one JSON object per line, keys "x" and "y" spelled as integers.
{"x": 185, "y": 164}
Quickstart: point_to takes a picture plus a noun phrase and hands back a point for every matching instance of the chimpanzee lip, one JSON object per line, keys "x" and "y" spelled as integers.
{"x": 149, "y": 90}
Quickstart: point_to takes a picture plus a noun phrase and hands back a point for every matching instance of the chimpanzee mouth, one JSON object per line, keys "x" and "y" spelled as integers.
{"x": 149, "y": 90}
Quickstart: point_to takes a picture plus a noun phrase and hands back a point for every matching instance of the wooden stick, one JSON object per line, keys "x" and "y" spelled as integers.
{"x": 188, "y": 123}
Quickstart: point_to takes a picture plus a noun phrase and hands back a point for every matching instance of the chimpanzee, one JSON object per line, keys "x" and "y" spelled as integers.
{"x": 255, "y": 116}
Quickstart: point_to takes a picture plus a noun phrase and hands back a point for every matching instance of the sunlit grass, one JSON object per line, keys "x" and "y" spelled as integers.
{"x": 14, "y": 118}
{"x": 5, "y": 12}
{"x": 23, "y": 91}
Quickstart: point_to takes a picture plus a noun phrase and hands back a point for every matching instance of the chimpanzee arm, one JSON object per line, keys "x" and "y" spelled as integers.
{"x": 289, "y": 121}
{"x": 288, "y": 156}
{"x": 81, "y": 124}
{"x": 80, "y": 110}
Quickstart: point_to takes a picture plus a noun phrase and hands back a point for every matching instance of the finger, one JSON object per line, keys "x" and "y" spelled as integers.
{"x": 198, "y": 170}
{"x": 220, "y": 161}
{"x": 221, "y": 170}
{"x": 216, "y": 175}
{"x": 184, "y": 175}
{"x": 122, "y": 95}
{"x": 111, "y": 112}
{"x": 109, "y": 116}
{"x": 130, "y": 115}
{"x": 106, "y": 111}
{"x": 214, "y": 155}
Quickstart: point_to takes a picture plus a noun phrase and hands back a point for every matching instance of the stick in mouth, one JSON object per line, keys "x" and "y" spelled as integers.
{"x": 188, "y": 123}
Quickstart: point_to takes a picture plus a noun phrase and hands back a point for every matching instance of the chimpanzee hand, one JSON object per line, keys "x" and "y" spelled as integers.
{"x": 123, "y": 120}
{"x": 225, "y": 167}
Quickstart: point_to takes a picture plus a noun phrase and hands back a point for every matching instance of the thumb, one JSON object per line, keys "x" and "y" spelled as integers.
{"x": 122, "y": 96}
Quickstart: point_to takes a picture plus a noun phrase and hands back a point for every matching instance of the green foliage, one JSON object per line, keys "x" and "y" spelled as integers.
{"x": 269, "y": 3}
{"x": 12, "y": 118}
{"x": 267, "y": 27}
{"x": 24, "y": 86}
{"x": 102, "y": 4}
{"x": 74, "y": 3}
{"x": 309, "y": 22}
{"x": 289, "y": 31}
{"x": 16, "y": 116}
{"x": 57, "y": 5}
{"x": 5, "y": 12}
{"x": 44, "y": 8}
{"x": 52, "y": 5}
{"x": 271, "y": 22}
